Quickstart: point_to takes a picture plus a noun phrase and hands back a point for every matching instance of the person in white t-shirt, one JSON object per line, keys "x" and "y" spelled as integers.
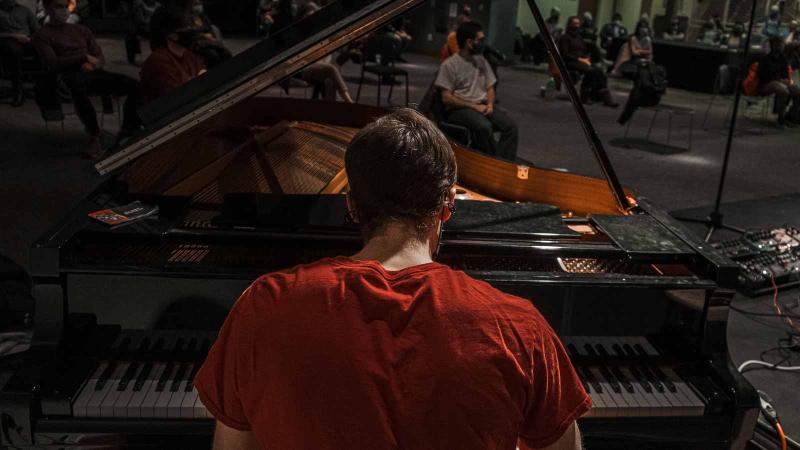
{"x": 467, "y": 83}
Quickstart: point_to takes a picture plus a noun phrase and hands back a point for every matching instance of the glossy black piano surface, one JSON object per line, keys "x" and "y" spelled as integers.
{"x": 247, "y": 185}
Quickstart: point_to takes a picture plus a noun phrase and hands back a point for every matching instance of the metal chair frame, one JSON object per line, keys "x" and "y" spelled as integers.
{"x": 670, "y": 111}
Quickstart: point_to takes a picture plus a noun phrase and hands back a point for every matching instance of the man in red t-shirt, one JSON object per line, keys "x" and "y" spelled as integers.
{"x": 387, "y": 349}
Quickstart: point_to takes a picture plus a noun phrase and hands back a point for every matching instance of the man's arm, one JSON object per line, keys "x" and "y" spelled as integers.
{"x": 45, "y": 51}
{"x": 571, "y": 440}
{"x": 227, "y": 438}
{"x": 490, "y": 95}
{"x": 95, "y": 52}
{"x": 454, "y": 101}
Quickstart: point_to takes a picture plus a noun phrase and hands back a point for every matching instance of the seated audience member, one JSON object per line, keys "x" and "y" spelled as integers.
{"x": 170, "y": 64}
{"x": 674, "y": 33}
{"x": 397, "y": 29}
{"x": 71, "y": 53}
{"x": 589, "y": 34}
{"x": 538, "y": 48}
{"x": 794, "y": 32}
{"x": 415, "y": 355}
{"x": 594, "y": 85}
{"x": 639, "y": 48}
{"x": 324, "y": 73}
{"x": 203, "y": 38}
{"x": 612, "y": 36}
{"x": 710, "y": 34}
{"x": 772, "y": 24}
{"x": 774, "y": 77}
{"x": 467, "y": 85}
{"x": 17, "y": 25}
{"x": 143, "y": 11}
{"x": 737, "y": 37}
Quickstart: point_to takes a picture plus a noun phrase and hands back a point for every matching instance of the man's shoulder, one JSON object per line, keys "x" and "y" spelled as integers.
{"x": 479, "y": 293}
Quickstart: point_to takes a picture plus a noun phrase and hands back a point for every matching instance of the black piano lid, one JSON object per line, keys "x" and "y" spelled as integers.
{"x": 256, "y": 69}
{"x": 493, "y": 220}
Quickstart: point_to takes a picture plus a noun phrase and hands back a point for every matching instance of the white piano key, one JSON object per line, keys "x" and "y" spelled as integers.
{"x": 82, "y": 401}
{"x": 176, "y": 400}
{"x": 160, "y": 407}
{"x": 612, "y": 406}
{"x": 691, "y": 403}
{"x": 189, "y": 402}
{"x": 121, "y": 405}
{"x": 93, "y": 407}
{"x": 646, "y": 345}
{"x": 200, "y": 410}
{"x": 107, "y": 405}
{"x": 147, "y": 407}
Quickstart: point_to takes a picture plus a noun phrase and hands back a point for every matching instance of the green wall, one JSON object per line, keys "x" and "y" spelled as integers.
{"x": 525, "y": 18}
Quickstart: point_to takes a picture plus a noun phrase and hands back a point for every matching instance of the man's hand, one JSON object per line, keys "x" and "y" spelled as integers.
{"x": 94, "y": 61}
{"x": 480, "y": 108}
{"x": 87, "y": 67}
{"x": 489, "y": 110}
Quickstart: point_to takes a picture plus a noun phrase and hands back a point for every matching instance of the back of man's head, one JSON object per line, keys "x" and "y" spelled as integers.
{"x": 467, "y": 30}
{"x": 400, "y": 168}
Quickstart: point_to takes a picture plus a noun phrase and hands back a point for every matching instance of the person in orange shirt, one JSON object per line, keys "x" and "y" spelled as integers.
{"x": 387, "y": 349}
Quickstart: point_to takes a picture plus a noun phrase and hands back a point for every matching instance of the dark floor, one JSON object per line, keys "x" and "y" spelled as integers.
{"x": 41, "y": 177}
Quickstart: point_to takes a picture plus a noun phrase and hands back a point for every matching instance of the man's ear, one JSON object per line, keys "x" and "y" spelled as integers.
{"x": 449, "y": 206}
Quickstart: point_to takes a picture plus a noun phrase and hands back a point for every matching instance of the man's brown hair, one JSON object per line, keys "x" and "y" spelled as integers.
{"x": 400, "y": 168}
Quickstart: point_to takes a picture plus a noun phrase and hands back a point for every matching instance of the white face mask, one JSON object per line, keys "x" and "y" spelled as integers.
{"x": 197, "y": 9}
{"x": 60, "y": 14}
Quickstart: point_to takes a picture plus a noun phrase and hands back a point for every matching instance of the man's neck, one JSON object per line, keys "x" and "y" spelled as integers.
{"x": 396, "y": 247}
{"x": 464, "y": 53}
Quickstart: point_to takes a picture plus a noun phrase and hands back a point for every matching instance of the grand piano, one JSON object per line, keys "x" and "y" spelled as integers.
{"x": 247, "y": 184}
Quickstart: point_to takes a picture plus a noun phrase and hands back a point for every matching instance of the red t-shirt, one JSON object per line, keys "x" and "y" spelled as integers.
{"x": 343, "y": 354}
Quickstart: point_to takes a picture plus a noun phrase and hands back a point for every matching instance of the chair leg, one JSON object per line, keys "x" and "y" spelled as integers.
{"x": 391, "y": 89}
{"x": 669, "y": 127}
{"x": 652, "y": 122}
{"x": 380, "y": 83}
{"x": 360, "y": 83}
{"x": 628, "y": 127}
{"x": 708, "y": 111}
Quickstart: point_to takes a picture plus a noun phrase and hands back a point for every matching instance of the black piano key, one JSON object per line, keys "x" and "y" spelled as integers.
{"x": 639, "y": 350}
{"x": 148, "y": 367}
{"x": 130, "y": 372}
{"x": 165, "y": 375}
{"x": 109, "y": 370}
{"x": 641, "y": 379}
{"x": 179, "y": 374}
{"x": 582, "y": 377}
{"x": 629, "y": 350}
{"x": 653, "y": 379}
{"x": 611, "y": 379}
{"x": 601, "y": 350}
{"x": 669, "y": 384}
{"x": 623, "y": 380}
{"x": 618, "y": 350}
{"x": 587, "y": 373}
{"x": 589, "y": 349}
{"x": 572, "y": 351}
{"x": 192, "y": 374}
{"x": 157, "y": 351}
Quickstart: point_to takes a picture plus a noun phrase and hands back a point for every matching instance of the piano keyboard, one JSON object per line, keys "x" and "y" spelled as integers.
{"x": 620, "y": 377}
{"x": 149, "y": 375}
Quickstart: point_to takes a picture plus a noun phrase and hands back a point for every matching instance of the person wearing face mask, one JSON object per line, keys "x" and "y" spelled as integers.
{"x": 638, "y": 50}
{"x": 675, "y": 33}
{"x": 17, "y": 24}
{"x": 710, "y": 34}
{"x": 467, "y": 85}
{"x": 612, "y": 37}
{"x": 70, "y": 52}
{"x": 575, "y": 51}
{"x": 202, "y": 37}
{"x": 170, "y": 64}
{"x": 772, "y": 25}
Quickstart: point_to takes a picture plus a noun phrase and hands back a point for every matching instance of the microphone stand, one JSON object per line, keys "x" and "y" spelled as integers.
{"x": 715, "y": 220}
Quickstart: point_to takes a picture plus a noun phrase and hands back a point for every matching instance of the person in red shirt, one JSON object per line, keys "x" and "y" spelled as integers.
{"x": 170, "y": 64}
{"x": 387, "y": 349}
